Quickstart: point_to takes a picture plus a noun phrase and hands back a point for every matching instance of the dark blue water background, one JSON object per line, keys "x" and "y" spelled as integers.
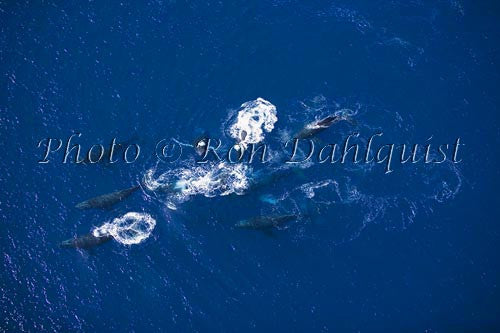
{"x": 412, "y": 250}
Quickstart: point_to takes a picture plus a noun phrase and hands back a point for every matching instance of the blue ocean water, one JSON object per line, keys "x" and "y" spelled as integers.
{"x": 412, "y": 250}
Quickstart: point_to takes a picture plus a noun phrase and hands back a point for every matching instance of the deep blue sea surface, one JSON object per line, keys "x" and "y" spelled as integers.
{"x": 414, "y": 250}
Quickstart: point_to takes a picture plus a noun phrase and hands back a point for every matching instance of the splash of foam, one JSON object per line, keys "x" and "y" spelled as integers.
{"x": 221, "y": 179}
{"x": 253, "y": 119}
{"x": 131, "y": 228}
{"x": 209, "y": 180}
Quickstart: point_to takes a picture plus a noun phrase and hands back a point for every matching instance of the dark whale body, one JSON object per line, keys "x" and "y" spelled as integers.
{"x": 265, "y": 222}
{"x": 86, "y": 242}
{"x": 315, "y": 127}
{"x": 107, "y": 200}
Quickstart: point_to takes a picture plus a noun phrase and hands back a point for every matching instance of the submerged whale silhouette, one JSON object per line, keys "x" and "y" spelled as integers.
{"x": 265, "y": 222}
{"x": 107, "y": 200}
{"x": 86, "y": 242}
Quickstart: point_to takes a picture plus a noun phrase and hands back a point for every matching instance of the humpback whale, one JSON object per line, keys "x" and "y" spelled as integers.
{"x": 315, "y": 127}
{"x": 107, "y": 200}
{"x": 86, "y": 242}
{"x": 265, "y": 222}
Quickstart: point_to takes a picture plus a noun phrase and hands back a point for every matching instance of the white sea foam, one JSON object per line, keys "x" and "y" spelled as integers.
{"x": 131, "y": 228}
{"x": 309, "y": 188}
{"x": 209, "y": 180}
{"x": 254, "y": 118}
